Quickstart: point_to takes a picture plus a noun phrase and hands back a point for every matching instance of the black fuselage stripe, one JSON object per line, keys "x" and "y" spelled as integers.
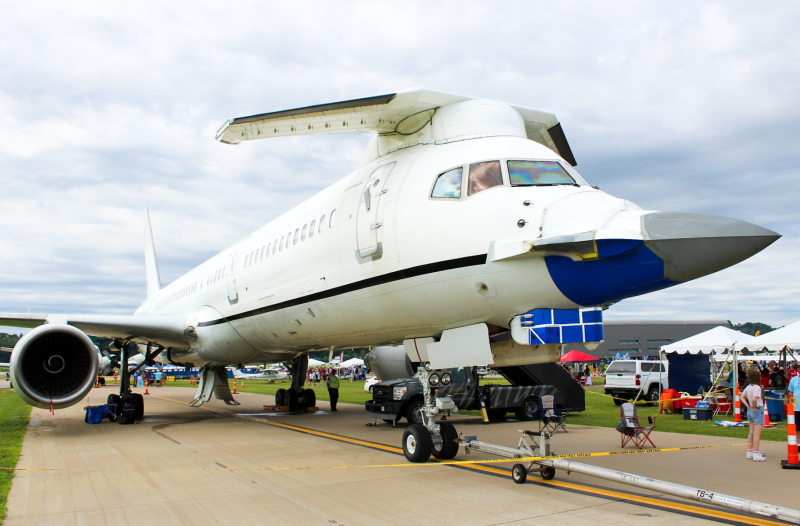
{"x": 399, "y": 275}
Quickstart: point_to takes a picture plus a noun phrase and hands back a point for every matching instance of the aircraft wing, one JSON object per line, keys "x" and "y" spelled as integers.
{"x": 401, "y": 113}
{"x": 166, "y": 331}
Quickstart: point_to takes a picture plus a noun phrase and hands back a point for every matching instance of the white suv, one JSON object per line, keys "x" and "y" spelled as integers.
{"x": 636, "y": 379}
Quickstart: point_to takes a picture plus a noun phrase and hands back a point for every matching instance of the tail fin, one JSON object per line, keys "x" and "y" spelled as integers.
{"x": 152, "y": 277}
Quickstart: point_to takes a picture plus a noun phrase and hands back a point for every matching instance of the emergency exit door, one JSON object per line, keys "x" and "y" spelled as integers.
{"x": 369, "y": 216}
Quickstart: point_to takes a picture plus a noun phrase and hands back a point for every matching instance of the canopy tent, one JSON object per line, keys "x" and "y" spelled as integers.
{"x": 315, "y": 363}
{"x": 784, "y": 338}
{"x": 760, "y": 357}
{"x": 352, "y": 362}
{"x": 691, "y": 374}
{"x": 716, "y": 340}
{"x": 577, "y": 356}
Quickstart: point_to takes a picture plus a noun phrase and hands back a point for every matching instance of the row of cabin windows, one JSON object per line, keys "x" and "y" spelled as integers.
{"x": 177, "y": 295}
{"x": 292, "y": 238}
{"x": 488, "y": 174}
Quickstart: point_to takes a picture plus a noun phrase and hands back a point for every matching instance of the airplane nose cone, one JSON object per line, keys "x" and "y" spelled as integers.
{"x": 695, "y": 245}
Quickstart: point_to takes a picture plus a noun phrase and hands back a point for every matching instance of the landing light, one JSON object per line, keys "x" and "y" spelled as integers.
{"x": 446, "y": 379}
{"x": 434, "y": 379}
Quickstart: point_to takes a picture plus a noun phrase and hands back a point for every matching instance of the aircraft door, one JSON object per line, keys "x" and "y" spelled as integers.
{"x": 369, "y": 214}
{"x": 233, "y": 294}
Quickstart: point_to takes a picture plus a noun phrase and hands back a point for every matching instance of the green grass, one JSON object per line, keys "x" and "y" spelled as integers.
{"x": 14, "y": 415}
{"x": 600, "y": 409}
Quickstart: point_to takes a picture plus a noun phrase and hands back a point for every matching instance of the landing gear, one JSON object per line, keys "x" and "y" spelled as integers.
{"x": 130, "y": 405}
{"x": 426, "y": 437}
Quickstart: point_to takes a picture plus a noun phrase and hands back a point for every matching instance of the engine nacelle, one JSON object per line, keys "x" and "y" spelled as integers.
{"x": 390, "y": 363}
{"x": 54, "y": 364}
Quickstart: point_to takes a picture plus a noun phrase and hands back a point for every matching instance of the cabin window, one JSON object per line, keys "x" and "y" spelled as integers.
{"x": 296, "y": 236}
{"x": 266, "y": 253}
{"x": 321, "y": 222}
{"x": 303, "y": 233}
{"x": 288, "y": 239}
{"x": 311, "y": 228}
{"x": 538, "y": 173}
{"x": 274, "y": 246}
{"x": 283, "y": 238}
{"x": 258, "y": 254}
{"x": 448, "y": 184}
{"x": 483, "y": 176}
{"x": 333, "y": 218}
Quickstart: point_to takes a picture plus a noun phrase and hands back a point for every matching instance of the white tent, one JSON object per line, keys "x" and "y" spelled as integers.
{"x": 315, "y": 363}
{"x": 716, "y": 340}
{"x": 777, "y": 340}
{"x": 352, "y": 362}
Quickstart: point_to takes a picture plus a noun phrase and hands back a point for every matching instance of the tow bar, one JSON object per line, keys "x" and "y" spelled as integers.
{"x": 531, "y": 441}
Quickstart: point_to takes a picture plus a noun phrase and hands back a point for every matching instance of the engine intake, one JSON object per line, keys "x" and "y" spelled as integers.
{"x": 54, "y": 364}
{"x": 390, "y": 363}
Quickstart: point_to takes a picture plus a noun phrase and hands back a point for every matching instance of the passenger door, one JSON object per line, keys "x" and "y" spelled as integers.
{"x": 370, "y": 214}
{"x": 233, "y": 294}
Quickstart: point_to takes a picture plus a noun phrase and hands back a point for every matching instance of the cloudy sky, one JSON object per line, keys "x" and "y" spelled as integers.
{"x": 108, "y": 107}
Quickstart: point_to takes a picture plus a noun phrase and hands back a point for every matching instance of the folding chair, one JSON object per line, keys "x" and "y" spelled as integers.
{"x": 552, "y": 419}
{"x": 631, "y": 430}
{"x": 722, "y": 404}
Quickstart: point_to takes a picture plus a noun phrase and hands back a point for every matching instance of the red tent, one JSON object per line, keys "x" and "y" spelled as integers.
{"x": 577, "y": 356}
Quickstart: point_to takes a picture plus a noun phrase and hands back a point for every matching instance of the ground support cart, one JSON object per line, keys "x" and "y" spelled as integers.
{"x": 531, "y": 444}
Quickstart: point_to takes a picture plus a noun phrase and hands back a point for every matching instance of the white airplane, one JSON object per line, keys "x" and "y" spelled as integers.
{"x": 270, "y": 375}
{"x": 466, "y": 219}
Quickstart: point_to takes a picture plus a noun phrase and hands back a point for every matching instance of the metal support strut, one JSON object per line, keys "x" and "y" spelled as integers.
{"x": 420, "y": 441}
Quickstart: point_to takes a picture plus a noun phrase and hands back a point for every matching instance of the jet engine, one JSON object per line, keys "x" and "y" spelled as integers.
{"x": 54, "y": 364}
{"x": 390, "y": 363}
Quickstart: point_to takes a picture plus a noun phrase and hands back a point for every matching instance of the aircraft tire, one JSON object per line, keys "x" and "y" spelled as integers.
{"x": 417, "y": 443}
{"x": 291, "y": 400}
{"x": 138, "y": 406}
{"x": 449, "y": 448}
{"x": 101, "y": 381}
{"x": 280, "y": 397}
{"x": 310, "y": 398}
{"x": 547, "y": 473}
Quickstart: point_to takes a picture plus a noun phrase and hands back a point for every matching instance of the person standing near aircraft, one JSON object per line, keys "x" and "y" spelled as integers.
{"x": 753, "y": 399}
{"x": 332, "y": 383}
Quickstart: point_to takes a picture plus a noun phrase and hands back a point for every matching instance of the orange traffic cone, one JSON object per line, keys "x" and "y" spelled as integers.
{"x": 792, "y": 461}
{"x": 766, "y": 416}
{"x": 146, "y": 387}
{"x": 737, "y": 407}
{"x": 97, "y": 381}
{"x": 234, "y": 386}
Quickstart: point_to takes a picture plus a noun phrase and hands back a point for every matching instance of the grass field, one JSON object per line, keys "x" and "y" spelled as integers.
{"x": 14, "y": 415}
{"x": 600, "y": 409}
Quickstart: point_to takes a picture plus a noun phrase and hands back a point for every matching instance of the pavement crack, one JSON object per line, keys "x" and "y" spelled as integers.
{"x": 159, "y": 433}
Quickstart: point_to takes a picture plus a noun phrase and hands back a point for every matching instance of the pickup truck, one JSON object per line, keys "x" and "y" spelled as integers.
{"x": 395, "y": 399}
{"x": 631, "y": 379}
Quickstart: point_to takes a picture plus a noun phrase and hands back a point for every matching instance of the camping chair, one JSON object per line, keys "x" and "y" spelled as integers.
{"x": 552, "y": 419}
{"x": 631, "y": 430}
{"x": 722, "y": 404}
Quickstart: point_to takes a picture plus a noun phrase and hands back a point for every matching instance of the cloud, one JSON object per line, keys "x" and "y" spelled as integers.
{"x": 108, "y": 108}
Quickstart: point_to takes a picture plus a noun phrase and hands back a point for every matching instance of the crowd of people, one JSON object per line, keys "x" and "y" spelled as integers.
{"x": 317, "y": 376}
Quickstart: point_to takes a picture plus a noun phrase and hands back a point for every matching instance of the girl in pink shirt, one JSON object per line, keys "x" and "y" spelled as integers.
{"x": 753, "y": 399}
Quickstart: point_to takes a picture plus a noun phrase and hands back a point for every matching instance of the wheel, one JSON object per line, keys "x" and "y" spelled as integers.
{"x": 117, "y": 401}
{"x": 448, "y": 449}
{"x": 101, "y": 381}
{"x": 496, "y": 415}
{"x": 280, "y": 397}
{"x": 310, "y": 398}
{"x": 526, "y": 410}
{"x": 370, "y": 389}
{"x": 138, "y": 406}
{"x": 618, "y": 401}
{"x": 547, "y": 472}
{"x": 519, "y": 473}
{"x": 414, "y": 412}
{"x": 652, "y": 395}
{"x": 291, "y": 400}
{"x": 417, "y": 443}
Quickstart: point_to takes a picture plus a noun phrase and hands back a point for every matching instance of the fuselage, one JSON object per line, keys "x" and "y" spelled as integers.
{"x": 428, "y": 270}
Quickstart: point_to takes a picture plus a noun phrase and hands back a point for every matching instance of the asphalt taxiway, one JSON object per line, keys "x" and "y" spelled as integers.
{"x": 236, "y": 465}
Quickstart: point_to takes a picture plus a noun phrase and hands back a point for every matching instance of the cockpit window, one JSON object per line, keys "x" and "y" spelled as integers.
{"x": 448, "y": 184}
{"x": 483, "y": 176}
{"x": 538, "y": 173}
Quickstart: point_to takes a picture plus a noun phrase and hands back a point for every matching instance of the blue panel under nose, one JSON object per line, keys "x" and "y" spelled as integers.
{"x": 604, "y": 281}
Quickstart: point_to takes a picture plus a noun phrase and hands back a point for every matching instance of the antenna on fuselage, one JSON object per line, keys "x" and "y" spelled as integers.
{"x": 151, "y": 274}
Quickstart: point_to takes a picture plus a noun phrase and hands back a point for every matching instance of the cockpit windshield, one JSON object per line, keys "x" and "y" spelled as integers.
{"x": 538, "y": 173}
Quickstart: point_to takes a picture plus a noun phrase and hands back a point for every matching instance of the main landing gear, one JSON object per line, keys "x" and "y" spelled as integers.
{"x": 420, "y": 441}
{"x": 296, "y": 397}
{"x": 130, "y": 405}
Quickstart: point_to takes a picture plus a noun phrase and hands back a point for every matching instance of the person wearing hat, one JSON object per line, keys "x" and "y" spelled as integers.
{"x": 332, "y": 383}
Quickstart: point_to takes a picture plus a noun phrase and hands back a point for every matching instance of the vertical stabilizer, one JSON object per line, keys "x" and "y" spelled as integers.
{"x": 152, "y": 277}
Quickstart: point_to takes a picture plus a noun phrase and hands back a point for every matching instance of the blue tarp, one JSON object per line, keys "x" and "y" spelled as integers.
{"x": 689, "y": 373}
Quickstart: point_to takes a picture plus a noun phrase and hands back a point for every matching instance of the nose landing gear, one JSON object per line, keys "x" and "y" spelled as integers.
{"x": 420, "y": 441}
